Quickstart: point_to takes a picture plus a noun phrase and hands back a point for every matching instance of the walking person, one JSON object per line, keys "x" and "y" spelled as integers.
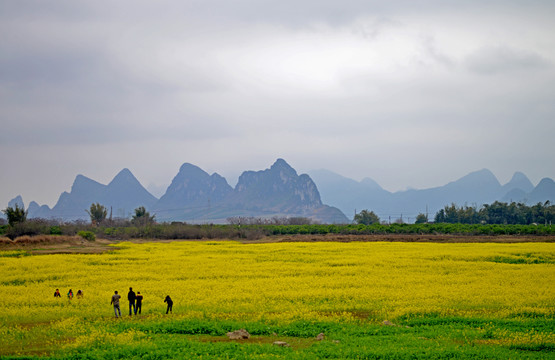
{"x": 168, "y": 300}
{"x": 139, "y": 303}
{"x": 131, "y": 297}
{"x": 115, "y": 302}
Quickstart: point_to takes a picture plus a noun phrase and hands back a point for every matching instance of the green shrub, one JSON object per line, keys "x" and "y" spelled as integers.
{"x": 55, "y": 230}
{"x": 87, "y": 235}
{"x": 27, "y": 228}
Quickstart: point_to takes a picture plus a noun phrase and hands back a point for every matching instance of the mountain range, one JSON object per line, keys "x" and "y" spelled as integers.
{"x": 475, "y": 189}
{"x": 198, "y": 197}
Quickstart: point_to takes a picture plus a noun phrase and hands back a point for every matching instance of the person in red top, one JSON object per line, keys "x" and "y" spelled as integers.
{"x": 57, "y": 293}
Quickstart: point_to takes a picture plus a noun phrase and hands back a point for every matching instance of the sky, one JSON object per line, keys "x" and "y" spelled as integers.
{"x": 413, "y": 94}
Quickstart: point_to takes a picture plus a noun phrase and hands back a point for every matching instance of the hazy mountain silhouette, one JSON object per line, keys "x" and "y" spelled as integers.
{"x": 475, "y": 189}
{"x": 37, "y": 211}
{"x": 349, "y": 195}
{"x": 544, "y": 191}
{"x": 18, "y": 200}
{"x": 122, "y": 195}
{"x": 194, "y": 195}
{"x": 519, "y": 181}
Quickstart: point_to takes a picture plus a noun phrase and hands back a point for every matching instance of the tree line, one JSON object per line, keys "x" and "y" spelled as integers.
{"x": 498, "y": 213}
{"x": 492, "y": 219}
{"x": 495, "y": 213}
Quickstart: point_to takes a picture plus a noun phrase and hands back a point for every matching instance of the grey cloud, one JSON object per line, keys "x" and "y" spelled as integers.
{"x": 234, "y": 85}
{"x": 503, "y": 59}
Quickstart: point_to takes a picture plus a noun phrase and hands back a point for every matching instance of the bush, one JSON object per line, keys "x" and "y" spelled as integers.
{"x": 55, "y": 230}
{"x": 28, "y": 228}
{"x": 87, "y": 235}
{"x": 15, "y": 215}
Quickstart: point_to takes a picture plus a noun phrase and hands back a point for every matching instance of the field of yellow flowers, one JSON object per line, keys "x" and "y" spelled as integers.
{"x": 439, "y": 299}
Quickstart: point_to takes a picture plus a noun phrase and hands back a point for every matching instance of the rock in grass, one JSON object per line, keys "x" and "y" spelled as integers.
{"x": 320, "y": 336}
{"x": 388, "y": 323}
{"x": 281, "y": 343}
{"x": 238, "y": 334}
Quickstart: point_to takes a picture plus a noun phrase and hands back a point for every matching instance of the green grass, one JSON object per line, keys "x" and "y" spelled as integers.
{"x": 419, "y": 337}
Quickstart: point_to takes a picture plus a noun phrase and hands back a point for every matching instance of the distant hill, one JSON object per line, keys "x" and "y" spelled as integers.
{"x": 192, "y": 195}
{"x": 196, "y": 196}
{"x": 544, "y": 191}
{"x": 475, "y": 189}
{"x": 122, "y": 195}
{"x": 18, "y": 200}
{"x": 349, "y": 195}
{"x": 519, "y": 181}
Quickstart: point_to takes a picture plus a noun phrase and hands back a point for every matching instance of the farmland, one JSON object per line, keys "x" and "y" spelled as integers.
{"x": 369, "y": 299}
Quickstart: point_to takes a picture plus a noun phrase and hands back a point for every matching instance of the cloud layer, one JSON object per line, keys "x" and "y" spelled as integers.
{"x": 408, "y": 93}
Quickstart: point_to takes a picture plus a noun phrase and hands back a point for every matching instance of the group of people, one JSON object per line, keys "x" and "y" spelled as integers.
{"x": 135, "y": 302}
{"x": 69, "y": 294}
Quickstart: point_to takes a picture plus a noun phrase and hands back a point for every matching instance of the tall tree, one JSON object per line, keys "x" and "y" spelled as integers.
{"x": 421, "y": 219}
{"x": 15, "y": 214}
{"x": 97, "y": 213}
{"x": 366, "y": 217}
{"x": 142, "y": 217}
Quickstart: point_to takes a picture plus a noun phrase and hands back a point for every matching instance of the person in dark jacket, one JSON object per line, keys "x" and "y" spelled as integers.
{"x": 131, "y": 297}
{"x": 57, "y": 293}
{"x": 139, "y": 303}
{"x": 168, "y": 300}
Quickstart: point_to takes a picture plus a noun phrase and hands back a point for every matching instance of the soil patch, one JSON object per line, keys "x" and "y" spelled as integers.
{"x": 434, "y": 238}
{"x": 53, "y": 244}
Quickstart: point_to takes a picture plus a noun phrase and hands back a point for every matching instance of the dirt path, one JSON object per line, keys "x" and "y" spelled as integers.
{"x": 76, "y": 245}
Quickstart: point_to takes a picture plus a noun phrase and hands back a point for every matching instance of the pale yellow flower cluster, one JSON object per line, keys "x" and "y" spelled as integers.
{"x": 286, "y": 281}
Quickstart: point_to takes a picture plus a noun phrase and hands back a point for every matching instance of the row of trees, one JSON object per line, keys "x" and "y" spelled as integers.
{"x": 98, "y": 213}
{"x": 495, "y": 213}
{"x": 498, "y": 213}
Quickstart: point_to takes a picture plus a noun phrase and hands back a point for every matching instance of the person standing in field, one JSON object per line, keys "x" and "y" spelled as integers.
{"x": 115, "y": 302}
{"x": 70, "y": 294}
{"x": 132, "y": 297}
{"x": 168, "y": 300}
{"x": 139, "y": 303}
{"x": 57, "y": 293}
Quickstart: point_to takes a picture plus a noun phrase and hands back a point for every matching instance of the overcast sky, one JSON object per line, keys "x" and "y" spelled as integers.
{"x": 409, "y": 93}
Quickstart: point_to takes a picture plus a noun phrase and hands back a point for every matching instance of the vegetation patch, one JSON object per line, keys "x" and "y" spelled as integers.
{"x": 297, "y": 300}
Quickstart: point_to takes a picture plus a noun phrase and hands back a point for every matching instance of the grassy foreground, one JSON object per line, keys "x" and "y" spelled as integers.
{"x": 490, "y": 301}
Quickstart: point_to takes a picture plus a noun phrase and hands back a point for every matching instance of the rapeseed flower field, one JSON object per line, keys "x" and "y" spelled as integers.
{"x": 492, "y": 299}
